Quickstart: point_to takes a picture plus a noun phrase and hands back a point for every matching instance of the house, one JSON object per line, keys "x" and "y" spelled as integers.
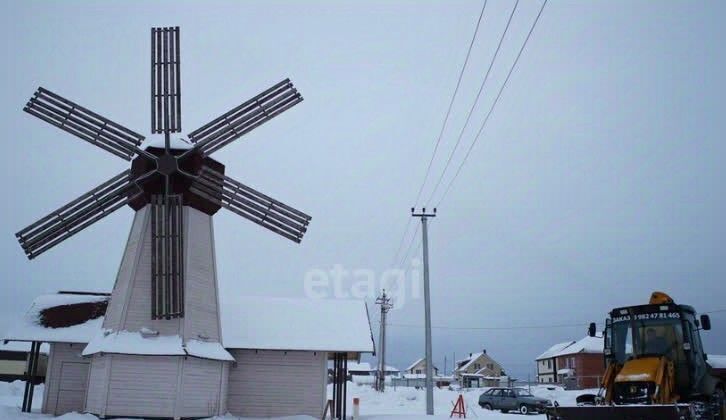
{"x": 577, "y": 365}
{"x": 389, "y": 371}
{"x": 419, "y": 368}
{"x": 547, "y": 363}
{"x": 14, "y": 358}
{"x": 282, "y": 354}
{"x": 478, "y": 369}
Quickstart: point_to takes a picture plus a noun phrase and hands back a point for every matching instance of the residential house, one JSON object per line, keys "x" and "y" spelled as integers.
{"x": 294, "y": 338}
{"x": 477, "y": 370}
{"x": 547, "y": 363}
{"x": 419, "y": 368}
{"x": 577, "y": 365}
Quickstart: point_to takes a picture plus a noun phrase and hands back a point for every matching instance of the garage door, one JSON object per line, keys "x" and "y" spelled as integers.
{"x": 72, "y": 387}
{"x": 277, "y": 383}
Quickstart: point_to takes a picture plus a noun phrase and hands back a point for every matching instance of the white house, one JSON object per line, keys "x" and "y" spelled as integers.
{"x": 479, "y": 369}
{"x": 279, "y": 349}
{"x": 14, "y": 361}
{"x": 418, "y": 369}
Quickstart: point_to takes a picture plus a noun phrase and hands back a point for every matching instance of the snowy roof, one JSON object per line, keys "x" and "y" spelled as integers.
{"x": 584, "y": 345}
{"x": 552, "y": 351}
{"x": 469, "y": 360}
{"x": 21, "y": 347}
{"x": 247, "y": 323}
{"x": 42, "y": 321}
{"x": 362, "y": 366}
{"x": 717, "y": 361}
{"x": 127, "y": 342}
{"x": 251, "y": 322}
{"x": 419, "y": 361}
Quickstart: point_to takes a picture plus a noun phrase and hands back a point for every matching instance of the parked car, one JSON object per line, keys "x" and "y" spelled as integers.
{"x": 512, "y": 399}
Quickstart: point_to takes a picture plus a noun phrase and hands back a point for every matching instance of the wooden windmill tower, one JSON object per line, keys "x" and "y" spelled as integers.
{"x": 160, "y": 352}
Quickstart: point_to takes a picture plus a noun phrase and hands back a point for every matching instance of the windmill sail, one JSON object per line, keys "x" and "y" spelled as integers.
{"x": 165, "y": 81}
{"x": 167, "y": 257}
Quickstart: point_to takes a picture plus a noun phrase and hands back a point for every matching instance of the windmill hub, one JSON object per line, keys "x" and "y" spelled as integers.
{"x": 167, "y": 164}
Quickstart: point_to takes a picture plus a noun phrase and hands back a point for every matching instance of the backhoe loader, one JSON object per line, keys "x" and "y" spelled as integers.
{"x": 656, "y": 368}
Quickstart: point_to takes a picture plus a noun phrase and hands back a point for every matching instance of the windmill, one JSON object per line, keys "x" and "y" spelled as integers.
{"x": 168, "y": 271}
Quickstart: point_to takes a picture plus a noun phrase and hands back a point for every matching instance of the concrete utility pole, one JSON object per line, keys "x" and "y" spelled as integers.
{"x": 427, "y": 305}
{"x": 386, "y": 305}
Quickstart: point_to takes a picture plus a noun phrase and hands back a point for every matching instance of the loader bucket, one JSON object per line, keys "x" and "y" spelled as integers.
{"x": 620, "y": 412}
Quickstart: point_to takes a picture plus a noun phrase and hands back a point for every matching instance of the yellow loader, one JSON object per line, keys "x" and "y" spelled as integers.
{"x": 656, "y": 368}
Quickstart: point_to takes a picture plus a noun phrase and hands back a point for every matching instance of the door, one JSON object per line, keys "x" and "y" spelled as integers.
{"x": 509, "y": 402}
{"x": 72, "y": 387}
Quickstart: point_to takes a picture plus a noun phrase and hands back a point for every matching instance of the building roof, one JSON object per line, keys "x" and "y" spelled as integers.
{"x": 419, "y": 361}
{"x": 61, "y": 318}
{"x": 552, "y": 351}
{"x": 359, "y": 367}
{"x": 247, "y": 323}
{"x": 584, "y": 345}
{"x": 296, "y": 324}
{"x": 469, "y": 360}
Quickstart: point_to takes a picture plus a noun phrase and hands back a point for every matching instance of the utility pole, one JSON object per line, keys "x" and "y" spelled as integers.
{"x": 427, "y": 308}
{"x": 386, "y": 305}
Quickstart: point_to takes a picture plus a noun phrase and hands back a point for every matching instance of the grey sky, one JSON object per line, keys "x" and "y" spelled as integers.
{"x": 597, "y": 179}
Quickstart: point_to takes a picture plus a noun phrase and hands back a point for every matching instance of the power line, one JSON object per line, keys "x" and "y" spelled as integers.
{"x": 518, "y": 327}
{"x": 443, "y": 128}
{"x": 451, "y": 103}
{"x": 474, "y": 104}
{"x": 491, "y": 109}
{"x": 410, "y": 246}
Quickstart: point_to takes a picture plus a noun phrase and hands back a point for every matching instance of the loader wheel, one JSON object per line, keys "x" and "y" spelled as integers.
{"x": 523, "y": 409}
{"x": 718, "y": 404}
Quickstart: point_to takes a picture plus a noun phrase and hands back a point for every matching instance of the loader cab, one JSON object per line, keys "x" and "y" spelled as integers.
{"x": 662, "y": 330}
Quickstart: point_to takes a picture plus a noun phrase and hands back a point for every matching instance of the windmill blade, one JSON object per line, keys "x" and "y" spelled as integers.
{"x": 246, "y": 117}
{"x": 165, "y": 81}
{"x": 167, "y": 257}
{"x": 78, "y": 214}
{"x": 251, "y": 204}
{"x": 84, "y": 124}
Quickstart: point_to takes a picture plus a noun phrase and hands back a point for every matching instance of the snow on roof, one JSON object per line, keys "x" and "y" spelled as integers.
{"x": 584, "y": 345}
{"x": 468, "y": 361}
{"x": 550, "y": 352}
{"x": 413, "y": 365}
{"x": 251, "y": 322}
{"x": 717, "y": 361}
{"x": 20, "y": 347}
{"x": 42, "y": 321}
{"x": 356, "y": 367}
{"x": 247, "y": 323}
{"x": 128, "y": 342}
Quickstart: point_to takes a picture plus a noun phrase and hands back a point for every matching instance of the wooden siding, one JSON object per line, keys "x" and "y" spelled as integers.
{"x": 114, "y": 312}
{"x": 65, "y": 388}
{"x": 201, "y": 307}
{"x": 201, "y": 394}
{"x": 142, "y": 386}
{"x": 277, "y": 383}
{"x": 97, "y": 385}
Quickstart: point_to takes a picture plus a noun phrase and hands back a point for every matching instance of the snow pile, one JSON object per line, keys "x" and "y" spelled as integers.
{"x": 11, "y": 398}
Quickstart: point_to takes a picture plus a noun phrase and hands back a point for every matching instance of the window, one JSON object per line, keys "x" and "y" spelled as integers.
{"x": 418, "y": 371}
{"x": 549, "y": 363}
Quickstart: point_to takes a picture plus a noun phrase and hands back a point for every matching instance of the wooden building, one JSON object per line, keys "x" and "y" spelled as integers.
{"x": 478, "y": 369}
{"x": 278, "y": 364}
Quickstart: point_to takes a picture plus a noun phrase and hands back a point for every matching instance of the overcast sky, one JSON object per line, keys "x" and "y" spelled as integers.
{"x": 598, "y": 179}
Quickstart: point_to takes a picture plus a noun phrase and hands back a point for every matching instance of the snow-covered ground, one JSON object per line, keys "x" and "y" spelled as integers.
{"x": 407, "y": 403}
{"x": 401, "y": 403}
